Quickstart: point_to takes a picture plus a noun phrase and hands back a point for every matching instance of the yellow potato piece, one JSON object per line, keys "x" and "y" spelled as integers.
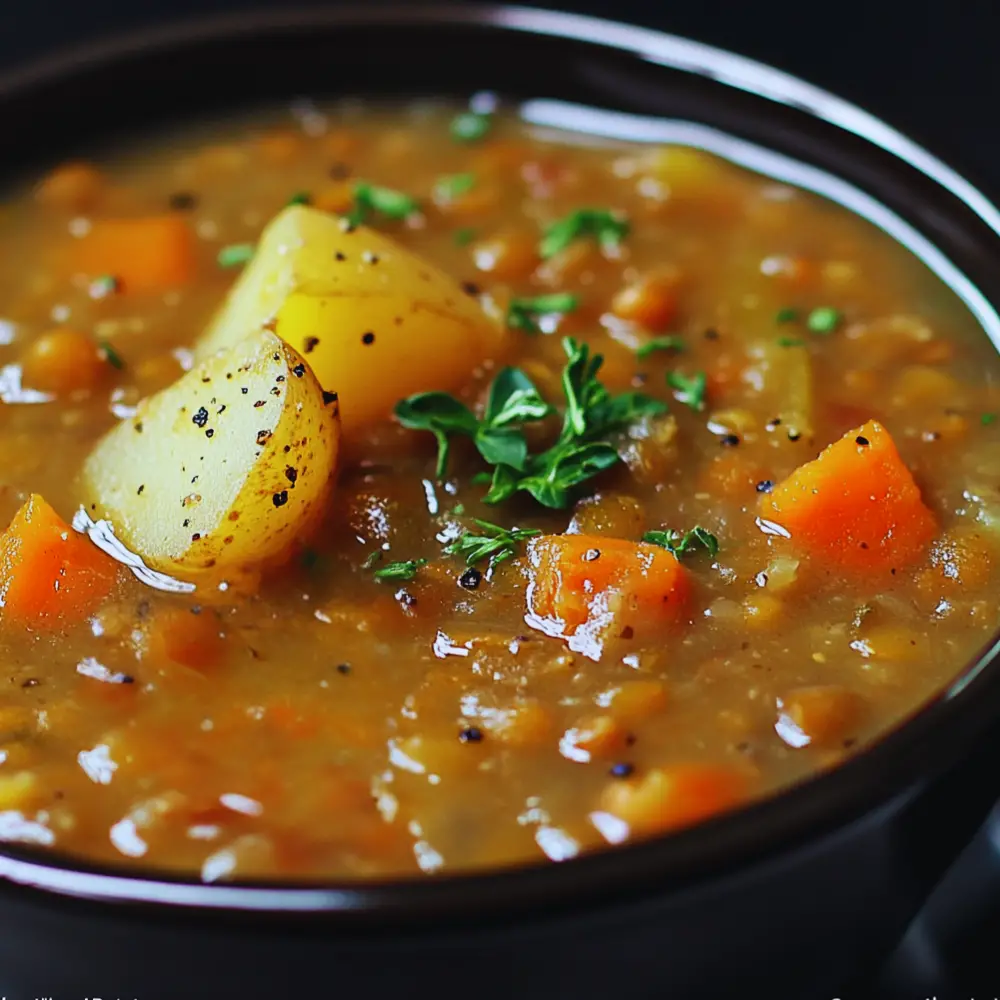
{"x": 373, "y": 320}
{"x": 225, "y": 470}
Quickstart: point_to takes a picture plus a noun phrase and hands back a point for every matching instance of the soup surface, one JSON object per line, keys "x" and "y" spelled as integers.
{"x": 462, "y": 597}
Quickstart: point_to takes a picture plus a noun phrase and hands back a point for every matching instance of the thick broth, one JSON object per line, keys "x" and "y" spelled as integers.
{"x": 337, "y": 725}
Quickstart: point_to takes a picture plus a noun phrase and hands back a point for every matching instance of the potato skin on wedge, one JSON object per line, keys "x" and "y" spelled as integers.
{"x": 375, "y": 322}
{"x": 224, "y": 471}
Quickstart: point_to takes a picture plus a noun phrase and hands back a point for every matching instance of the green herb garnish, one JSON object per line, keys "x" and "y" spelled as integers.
{"x": 522, "y": 314}
{"x": 235, "y": 254}
{"x": 493, "y": 542}
{"x": 470, "y": 126}
{"x": 399, "y": 570}
{"x": 681, "y": 544}
{"x": 370, "y": 198}
{"x": 788, "y": 314}
{"x": 825, "y": 319}
{"x": 300, "y": 198}
{"x": 689, "y": 391}
{"x": 669, "y": 343}
{"x": 463, "y": 237}
{"x": 513, "y": 400}
{"x": 987, "y": 418}
{"x": 372, "y": 559}
{"x": 110, "y": 355}
{"x": 581, "y": 451}
{"x": 607, "y": 227}
{"x": 450, "y": 188}
{"x": 791, "y": 342}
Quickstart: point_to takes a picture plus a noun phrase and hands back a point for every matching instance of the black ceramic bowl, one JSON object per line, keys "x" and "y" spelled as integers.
{"x": 795, "y": 895}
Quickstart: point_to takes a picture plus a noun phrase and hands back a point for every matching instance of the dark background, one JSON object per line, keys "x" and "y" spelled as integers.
{"x": 931, "y": 68}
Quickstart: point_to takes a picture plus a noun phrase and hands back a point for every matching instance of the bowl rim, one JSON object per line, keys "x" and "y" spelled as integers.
{"x": 945, "y": 728}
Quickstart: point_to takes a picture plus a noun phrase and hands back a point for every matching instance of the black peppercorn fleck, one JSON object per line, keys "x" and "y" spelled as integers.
{"x": 291, "y": 474}
{"x": 200, "y": 418}
{"x": 622, "y": 770}
{"x": 470, "y": 579}
{"x": 368, "y": 338}
{"x": 863, "y": 441}
{"x": 765, "y": 486}
{"x": 311, "y": 344}
{"x": 183, "y": 201}
{"x": 343, "y": 668}
{"x": 329, "y": 397}
{"x": 299, "y": 370}
{"x": 470, "y": 735}
{"x": 729, "y": 440}
{"x": 280, "y": 499}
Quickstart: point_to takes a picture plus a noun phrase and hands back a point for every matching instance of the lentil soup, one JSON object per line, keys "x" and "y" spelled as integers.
{"x": 399, "y": 489}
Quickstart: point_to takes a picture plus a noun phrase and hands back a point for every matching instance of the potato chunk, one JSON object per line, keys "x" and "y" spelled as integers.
{"x": 223, "y": 470}
{"x": 375, "y": 322}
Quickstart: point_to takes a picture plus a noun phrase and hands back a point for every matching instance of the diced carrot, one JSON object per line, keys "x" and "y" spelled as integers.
{"x": 818, "y": 716}
{"x": 146, "y": 255}
{"x": 666, "y": 798}
{"x": 601, "y": 587}
{"x": 591, "y": 737}
{"x": 855, "y": 506}
{"x": 507, "y": 255}
{"x": 633, "y": 701}
{"x": 63, "y": 361}
{"x": 49, "y": 574}
{"x": 526, "y": 722}
{"x": 651, "y": 301}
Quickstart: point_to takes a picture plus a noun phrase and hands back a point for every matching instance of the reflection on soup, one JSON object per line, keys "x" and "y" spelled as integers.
{"x": 397, "y": 490}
